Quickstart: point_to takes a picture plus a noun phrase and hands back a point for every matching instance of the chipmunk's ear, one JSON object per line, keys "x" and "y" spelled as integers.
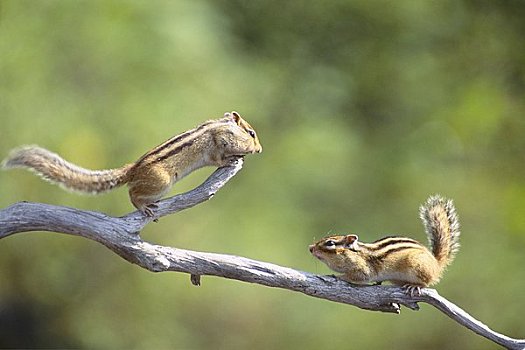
{"x": 349, "y": 239}
{"x": 351, "y": 242}
{"x": 236, "y": 117}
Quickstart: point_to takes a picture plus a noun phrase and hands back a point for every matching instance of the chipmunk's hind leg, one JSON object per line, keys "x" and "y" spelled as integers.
{"x": 149, "y": 188}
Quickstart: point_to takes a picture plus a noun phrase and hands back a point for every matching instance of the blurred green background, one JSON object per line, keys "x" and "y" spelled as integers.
{"x": 363, "y": 108}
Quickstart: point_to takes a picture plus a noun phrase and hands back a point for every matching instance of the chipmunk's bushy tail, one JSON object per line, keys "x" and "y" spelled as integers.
{"x": 55, "y": 169}
{"x": 442, "y": 227}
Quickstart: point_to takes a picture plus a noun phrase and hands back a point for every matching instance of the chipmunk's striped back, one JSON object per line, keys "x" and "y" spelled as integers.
{"x": 384, "y": 247}
{"x": 175, "y": 144}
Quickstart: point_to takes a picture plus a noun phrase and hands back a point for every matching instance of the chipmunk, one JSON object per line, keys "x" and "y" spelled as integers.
{"x": 400, "y": 260}
{"x": 213, "y": 143}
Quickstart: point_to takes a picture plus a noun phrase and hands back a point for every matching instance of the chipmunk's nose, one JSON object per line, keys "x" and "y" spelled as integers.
{"x": 311, "y": 248}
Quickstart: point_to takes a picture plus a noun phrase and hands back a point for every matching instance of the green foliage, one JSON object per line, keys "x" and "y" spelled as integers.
{"x": 364, "y": 108}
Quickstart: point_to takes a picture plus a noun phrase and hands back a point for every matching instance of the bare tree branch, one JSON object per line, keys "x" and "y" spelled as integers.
{"x": 121, "y": 235}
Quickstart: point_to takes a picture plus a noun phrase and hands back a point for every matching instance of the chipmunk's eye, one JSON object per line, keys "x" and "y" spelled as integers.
{"x": 329, "y": 244}
{"x": 251, "y": 132}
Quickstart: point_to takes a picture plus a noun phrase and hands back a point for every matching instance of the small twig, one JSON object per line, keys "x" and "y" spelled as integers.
{"x": 121, "y": 235}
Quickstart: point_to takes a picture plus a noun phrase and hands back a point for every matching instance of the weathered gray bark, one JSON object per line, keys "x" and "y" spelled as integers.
{"x": 121, "y": 235}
